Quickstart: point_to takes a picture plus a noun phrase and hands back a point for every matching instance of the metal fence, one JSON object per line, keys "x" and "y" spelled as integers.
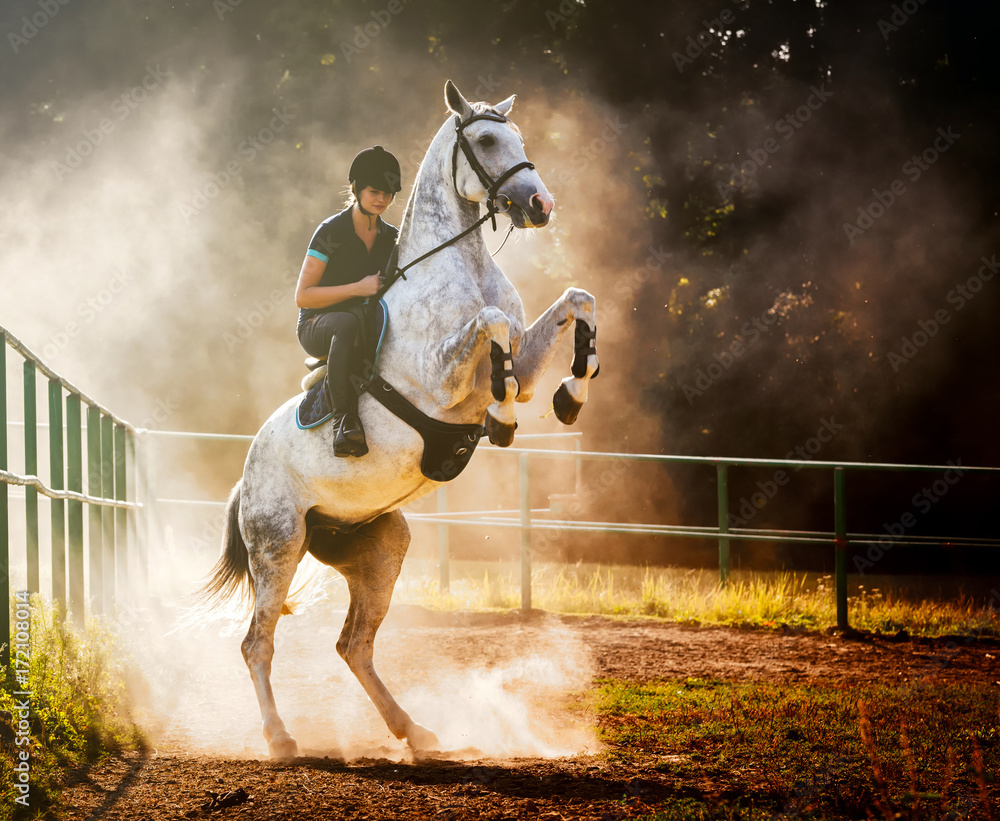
{"x": 530, "y": 521}
{"x": 108, "y": 451}
{"x": 840, "y": 539}
{"x": 117, "y": 550}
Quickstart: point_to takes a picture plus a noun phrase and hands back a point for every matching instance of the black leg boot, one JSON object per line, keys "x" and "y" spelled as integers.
{"x": 350, "y": 436}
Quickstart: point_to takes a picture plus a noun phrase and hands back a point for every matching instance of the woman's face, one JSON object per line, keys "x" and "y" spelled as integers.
{"x": 373, "y": 200}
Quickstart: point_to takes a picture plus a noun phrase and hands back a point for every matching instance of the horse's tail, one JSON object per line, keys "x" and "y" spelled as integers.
{"x": 232, "y": 570}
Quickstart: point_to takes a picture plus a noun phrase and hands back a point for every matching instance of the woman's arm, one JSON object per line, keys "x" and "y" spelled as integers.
{"x": 310, "y": 294}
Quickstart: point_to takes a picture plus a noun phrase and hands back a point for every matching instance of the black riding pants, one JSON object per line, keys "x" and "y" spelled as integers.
{"x": 317, "y": 332}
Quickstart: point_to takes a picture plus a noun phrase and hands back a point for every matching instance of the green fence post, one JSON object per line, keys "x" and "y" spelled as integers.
{"x": 840, "y": 532}
{"x": 444, "y": 549}
{"x": 74, "y": 509}
{"x": 108, "y": 513}
{"x": 31, "y": 469}
{"x": 57, "y": 481}
{"x": 95, "y": 543}
{"x": 525, "y": 533}
{"x": 137, "y": 576}
{"x": 144, "y": 516}
{"x": 121, "y": 514}
{"x": 4, "y": 520}
{"x": 722, "y": 479}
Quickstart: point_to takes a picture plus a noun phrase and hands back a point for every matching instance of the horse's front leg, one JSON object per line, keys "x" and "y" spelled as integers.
{"x": 457, "y": 360}
{"x": 539, "y": 346}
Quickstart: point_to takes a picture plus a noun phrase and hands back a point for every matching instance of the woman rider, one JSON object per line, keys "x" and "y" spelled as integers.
{"x": 341, "y": 268}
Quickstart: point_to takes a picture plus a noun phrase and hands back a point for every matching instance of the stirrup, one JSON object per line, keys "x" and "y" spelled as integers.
{"x": 344, "y": 445}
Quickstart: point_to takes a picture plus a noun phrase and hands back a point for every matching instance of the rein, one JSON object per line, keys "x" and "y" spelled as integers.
{"x": 492, "y": 191}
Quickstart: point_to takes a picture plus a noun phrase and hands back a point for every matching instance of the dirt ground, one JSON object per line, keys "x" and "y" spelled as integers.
{"x": 387, "y": 783}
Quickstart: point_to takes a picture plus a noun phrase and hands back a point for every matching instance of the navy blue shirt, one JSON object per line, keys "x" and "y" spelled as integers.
{"x": 347, "y": 257}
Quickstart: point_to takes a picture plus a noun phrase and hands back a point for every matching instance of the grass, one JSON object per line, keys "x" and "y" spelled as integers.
{"x": 695, "y": 596}
{"x": 808, "y": 751}
{"x": 79, "y": 708}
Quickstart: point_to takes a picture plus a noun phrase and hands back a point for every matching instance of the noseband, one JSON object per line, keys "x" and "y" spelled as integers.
{"x": 492, "y": 192}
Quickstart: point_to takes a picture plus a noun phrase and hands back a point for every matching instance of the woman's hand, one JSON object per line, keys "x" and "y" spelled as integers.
{"x": 369, "y": 285}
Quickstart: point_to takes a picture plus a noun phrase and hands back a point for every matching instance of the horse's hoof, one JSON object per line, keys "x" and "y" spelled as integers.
{"x": 421, "y": 740}
{"x": 565, "y": 406}
{"x": 282, "y": 746}
{"x": 501, "y": 435}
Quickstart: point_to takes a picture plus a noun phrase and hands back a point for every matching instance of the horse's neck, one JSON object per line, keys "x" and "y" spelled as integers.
{"x": 435, "y": 213}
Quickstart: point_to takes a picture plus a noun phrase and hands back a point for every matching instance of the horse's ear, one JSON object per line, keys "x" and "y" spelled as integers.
{"x": 456, "y": 102}
{"x": 505, "y": 107}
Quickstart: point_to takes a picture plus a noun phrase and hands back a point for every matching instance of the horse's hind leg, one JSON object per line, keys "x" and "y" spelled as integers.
{"x": 274, "y": 554}
{"x": 370, "y": 559}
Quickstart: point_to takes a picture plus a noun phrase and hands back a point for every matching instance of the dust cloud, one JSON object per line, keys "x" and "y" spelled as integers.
{"x": 510, "y": 700}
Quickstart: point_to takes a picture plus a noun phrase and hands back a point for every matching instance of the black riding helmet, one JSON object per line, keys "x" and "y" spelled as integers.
{"x": 378, "y": 168}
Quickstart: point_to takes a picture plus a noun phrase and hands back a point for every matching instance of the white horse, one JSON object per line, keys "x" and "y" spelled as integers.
{"x": 457, "y": 348}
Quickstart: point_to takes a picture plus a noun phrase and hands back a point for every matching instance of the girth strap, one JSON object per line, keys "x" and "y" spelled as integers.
{"x": 448, "y": 447}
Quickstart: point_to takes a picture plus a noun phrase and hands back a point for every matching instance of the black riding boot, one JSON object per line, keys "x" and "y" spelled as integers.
{"x": 350, "y": 436}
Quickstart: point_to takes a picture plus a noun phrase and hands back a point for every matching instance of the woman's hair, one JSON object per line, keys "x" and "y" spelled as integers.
{"x": 351, "y": 194}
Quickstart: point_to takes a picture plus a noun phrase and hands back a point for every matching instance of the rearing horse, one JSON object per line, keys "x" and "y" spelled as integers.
{"x": 457, "y": 348}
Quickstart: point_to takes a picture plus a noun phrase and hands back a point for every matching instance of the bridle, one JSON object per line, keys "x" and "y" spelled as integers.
{"x": 492, "y": 192}
{"x": 492, "y": 186}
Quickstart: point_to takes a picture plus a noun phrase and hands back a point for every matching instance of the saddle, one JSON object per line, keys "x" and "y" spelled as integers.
{"x": 447, "y": 447}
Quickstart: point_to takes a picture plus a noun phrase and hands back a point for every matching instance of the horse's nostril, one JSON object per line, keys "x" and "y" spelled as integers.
{"x": 539, "y": 204}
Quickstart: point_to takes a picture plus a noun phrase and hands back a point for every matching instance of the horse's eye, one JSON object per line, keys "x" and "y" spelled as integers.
{"x": 487, "y": 141}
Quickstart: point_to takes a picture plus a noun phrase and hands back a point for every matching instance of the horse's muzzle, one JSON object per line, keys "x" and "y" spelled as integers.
{"x": 535, "y": 215}
{"x": 540, "y": 206}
